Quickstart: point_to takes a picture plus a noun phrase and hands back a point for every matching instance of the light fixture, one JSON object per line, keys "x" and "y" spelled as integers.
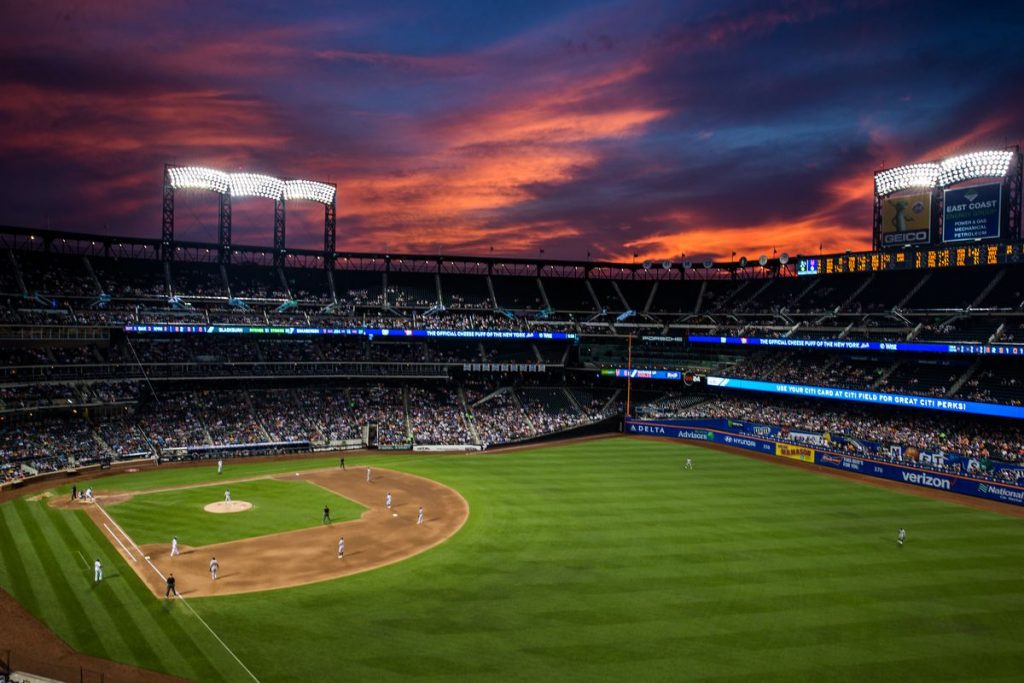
{"x": 904, "y": 177}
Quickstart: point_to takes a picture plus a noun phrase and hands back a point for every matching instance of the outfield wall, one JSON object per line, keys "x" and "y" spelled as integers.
{"x": 762, "y": 439}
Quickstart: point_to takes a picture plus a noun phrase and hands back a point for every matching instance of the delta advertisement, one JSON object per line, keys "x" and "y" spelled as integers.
{"x": 906, "y": 219}
{"x": 824, "y": 453}
{"x": 972, "y": 213}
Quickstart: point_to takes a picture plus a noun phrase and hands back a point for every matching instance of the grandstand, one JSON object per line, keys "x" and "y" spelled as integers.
{"x": 110, "y": 350}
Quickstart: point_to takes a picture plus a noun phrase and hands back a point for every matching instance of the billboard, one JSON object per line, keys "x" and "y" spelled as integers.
{"x": 972, "y": 213}
{"x": 906, "y": 219}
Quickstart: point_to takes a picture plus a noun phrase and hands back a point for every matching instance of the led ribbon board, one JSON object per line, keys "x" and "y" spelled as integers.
{"x": 948, "y": 405}
{"x": 345, "y": 331}
{"x": 642, "y": 373}
{"x": 853, "y": 345}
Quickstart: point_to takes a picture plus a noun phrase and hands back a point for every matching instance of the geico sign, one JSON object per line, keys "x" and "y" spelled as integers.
{"x": 904, "y": 237}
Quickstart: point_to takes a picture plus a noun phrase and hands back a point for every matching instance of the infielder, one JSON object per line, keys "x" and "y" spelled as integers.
{"x": 227, "y": 495}
{"x": 387, "y": 500}
{"x": 901, "y": 536}
{"x": 220, "y": 467}
{"x": 341, "y": 548}
{"x": 214, "y": 566}
{"x": 174, "y": 547}
{"x": 367, "y": 475}
{"x": 419, "y": 517}
{"x": 689, "y": 464}
{"x": 97, "y": 571}
{"x": 88, "y": 494}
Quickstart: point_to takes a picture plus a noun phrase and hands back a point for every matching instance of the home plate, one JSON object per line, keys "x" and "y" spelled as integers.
{"x": 394, "y": 514}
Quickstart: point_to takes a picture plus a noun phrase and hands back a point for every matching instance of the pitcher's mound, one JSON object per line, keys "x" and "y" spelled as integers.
{"x": 221, "y": 507}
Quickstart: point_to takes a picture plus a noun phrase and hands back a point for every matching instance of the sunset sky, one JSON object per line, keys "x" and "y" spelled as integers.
{"x": 656, "y": 128}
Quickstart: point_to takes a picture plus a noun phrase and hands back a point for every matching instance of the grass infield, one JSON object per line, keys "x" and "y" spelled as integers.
{"x": 602, "y": 559}
{"x": 277, "y": 506}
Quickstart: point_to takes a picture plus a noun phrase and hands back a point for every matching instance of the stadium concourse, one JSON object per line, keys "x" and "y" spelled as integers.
{"x": 109, "y": 352}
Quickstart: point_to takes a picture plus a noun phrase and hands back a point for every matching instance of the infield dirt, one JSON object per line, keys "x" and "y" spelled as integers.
{"x": 379, "y": 537}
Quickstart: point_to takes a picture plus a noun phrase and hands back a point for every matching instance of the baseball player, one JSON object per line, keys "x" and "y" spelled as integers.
{"x": 88, "y": 494}
{"x": 689, "y": 464}
{"x": 227, "y": 495}
{"x": 170, "y": 592}
{"x": 419, "y": 517}
{"x": 342, "y": 463}
{"x": 341, "y": 548}
{"x": 214, "y": 566}
{"x": 174, "y": 547}
{"x": 327, "y": 515}
{"x": 74, "y": 491}
{"x": 220, "y": 466}
{"x": 97, "y": 571}
{"x": 367, "y": 475}
{"x": 901, "y": 536}
{"x": 387, "y": 500}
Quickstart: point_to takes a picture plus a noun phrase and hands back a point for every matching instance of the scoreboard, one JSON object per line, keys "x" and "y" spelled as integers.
{"x": 929, "y": 257}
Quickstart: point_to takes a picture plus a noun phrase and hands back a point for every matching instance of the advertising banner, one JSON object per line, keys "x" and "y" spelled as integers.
{"x": 972, "y": 213}
{"x": 906, "y": 473}
{"x": 906, "y": 219}
{"x": 863, "y": 345}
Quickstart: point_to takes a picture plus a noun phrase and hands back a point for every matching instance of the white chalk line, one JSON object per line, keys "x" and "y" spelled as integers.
{"x": 178, "y": 595}
{"x": 84, "y": 561}
{"x": 123, "y": 547}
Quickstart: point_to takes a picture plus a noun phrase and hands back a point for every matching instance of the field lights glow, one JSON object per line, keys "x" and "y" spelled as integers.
{"x": 256, "y": 185}
{"x": 249, "y": 184}
{"x": 988, "y": 164}
{"x": 310, "y": 190}
{"x": 198, "y": 178}
{"x": 904, "y": 177}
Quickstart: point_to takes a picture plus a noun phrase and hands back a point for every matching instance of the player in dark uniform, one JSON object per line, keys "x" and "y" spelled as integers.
{"x": 341, "y": 463}
{"x": 74, "y": 491}
{"x": 327, "y": 515}
{"x": 170, "y": 593}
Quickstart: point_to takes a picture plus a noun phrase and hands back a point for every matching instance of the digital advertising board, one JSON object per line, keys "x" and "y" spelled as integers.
{"x": 972, "y": 213}
{"x": 906, "y": 219}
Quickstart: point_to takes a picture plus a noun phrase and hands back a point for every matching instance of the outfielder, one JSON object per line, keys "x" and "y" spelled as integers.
{"x": 387, "y": 500}
{"x": 220, "y": 467}
{"x": 227, "y": 495}
{"x": 174, "y": 547}
{"x": 689, "y": 464}
{"x": 97, "y": 571}
{"x": 341, "y": 548}
{"x": 367, "y": 475}
{"x": 901, "y": 536}
{"x": 214, "y": 566}
{"x": 419, "y": 517}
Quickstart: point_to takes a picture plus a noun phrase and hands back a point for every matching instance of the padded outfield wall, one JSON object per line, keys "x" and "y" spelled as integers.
{"x": 823, "y": 449}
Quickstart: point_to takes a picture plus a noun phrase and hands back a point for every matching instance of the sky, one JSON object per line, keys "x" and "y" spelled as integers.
{"x": 611, "y": 130}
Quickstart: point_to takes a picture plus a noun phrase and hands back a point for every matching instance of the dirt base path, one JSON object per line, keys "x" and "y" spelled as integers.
{"x": 36, "y": 649}
{"x": 379, "y": 537}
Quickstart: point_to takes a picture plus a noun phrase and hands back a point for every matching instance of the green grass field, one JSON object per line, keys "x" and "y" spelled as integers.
{"x": 277, "y": 506}
{"x": 600, "y": 560}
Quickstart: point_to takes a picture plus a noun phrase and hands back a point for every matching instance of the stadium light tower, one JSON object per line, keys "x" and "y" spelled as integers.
{"x": 230, "y": 185}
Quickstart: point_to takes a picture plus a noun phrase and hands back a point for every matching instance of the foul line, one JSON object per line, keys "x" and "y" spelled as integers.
{"x": 84, "y": 561}
{"x": 178, "y": 595}
{"x": 123, "y": 547}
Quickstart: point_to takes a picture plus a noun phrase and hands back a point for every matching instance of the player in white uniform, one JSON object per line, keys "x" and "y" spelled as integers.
{"x": 419, "y": 517}
{"x": 689, "y": 464}
{"x": 174, "y": 547}
{"x": 214, "y": 566}
{"x": 341, "y": 548}
{"x": 88, "y": 494}
{"x": 387, "y": 500}
{"x": 97, "y": 571}
{"x": 220, "y": 467}
{"x": 367, "y": 474}
{"x": 901, "y": 536}
{"x": 227, "y": 495}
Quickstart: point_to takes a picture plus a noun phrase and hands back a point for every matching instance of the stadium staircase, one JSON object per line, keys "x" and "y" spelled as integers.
{"x": 104, "y": 447}
{"x": 622, "y": 297}
{"x": 405, "y": 407}
{"x": 885, "y": 375}
{"x": 997, "y": 334}
{"x": 988, "y": 288}
{"x": 438, "y": 290}
{"x": 92, "y": 274}
{"x": 543, "y": 293}
{"x": 468, "y": 417}
{"x": 519, "y": 404}
{"x": 490, "y": 292}
{"x": 573, "y": 402}
{"x": 610, "y": 402}
{"x": 964, "y": 378}
{"x": 915, "y": 289}
{"x": 807, "y": 290}
{"x": 857, "y": 292}
{"x": 700, "y": 297}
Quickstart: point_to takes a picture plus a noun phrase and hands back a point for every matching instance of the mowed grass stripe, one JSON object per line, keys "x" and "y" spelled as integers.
{"x": 65, "y": 576}
{"x": 14, "y": 573}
